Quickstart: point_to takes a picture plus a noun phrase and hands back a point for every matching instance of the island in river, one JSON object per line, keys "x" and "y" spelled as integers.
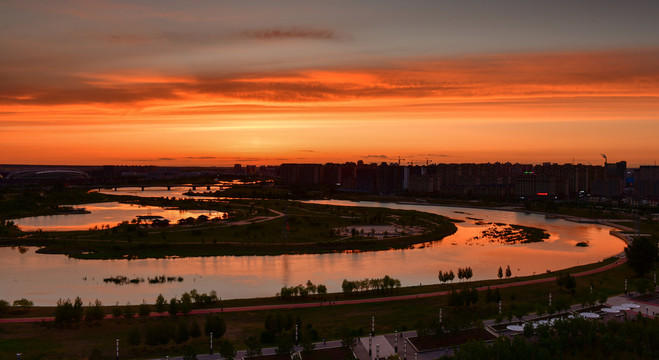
{"x": 251, "y": 227}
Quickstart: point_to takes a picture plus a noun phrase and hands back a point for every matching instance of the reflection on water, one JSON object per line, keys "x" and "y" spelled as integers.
{"x": 175, "y": 191}
{"x": 101, "y": 214}
{"x": 46, "y": 278}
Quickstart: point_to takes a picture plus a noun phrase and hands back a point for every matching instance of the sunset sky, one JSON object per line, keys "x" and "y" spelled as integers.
{"x": 268, "y": 82}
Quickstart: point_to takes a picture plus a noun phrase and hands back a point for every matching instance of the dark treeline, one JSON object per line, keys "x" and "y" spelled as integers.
{"x": 573, "y": 339}
{"x": 302, "y": 291}
{"x": 381, "y": 285}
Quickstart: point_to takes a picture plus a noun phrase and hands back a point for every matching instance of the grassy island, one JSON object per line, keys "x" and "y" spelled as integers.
{"x": 251, "y": 227}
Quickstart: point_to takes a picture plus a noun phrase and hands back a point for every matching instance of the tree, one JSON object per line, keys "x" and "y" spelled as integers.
{"x": 173, "y": 307}
{"x": 468, "y": 273}
{"x": 23, "y": 304}
{"x": 4, "y": 306}
{"x": 508, "y": 272}
{"x": 500, "y": 273}
{"x": 94, "y": 312}
{"x": 285, "y": 344}
{"x": 97, "y": 354}
{"x": 322, "y": 289}
{"x": 307, "y": 342}
{"x": 182, "y": 334}
{"x": 144, "y": 309}
{"x": 134, "y": 336}
{"x": 195, "y": 331}
{"x": 253, "y": 346}
{"x": 567, "y": 281}
{"x": 186, "y": 303}
{"x": 227, "y": 350}
{"x": 189, "y": 353}
{"x": 161, "y": 304}
{"x": 116, "y": 311}
{"x": 311, "y": 287}
{"x": 643, "y": 285}
{"x": 489, "y": 295}
{"x": 129, "y": 312}
{"x": 63, "y": 311}
{"x": 562, "y": 304}
{"x": 215, "y": 325}
{"x": 641, "y": 254}
{"x": 446, "y": 276}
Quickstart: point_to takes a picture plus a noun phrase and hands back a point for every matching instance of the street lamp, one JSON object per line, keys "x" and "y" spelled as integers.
{"x": 405, "y": 347}
{"x": 211, "y": 343}
{"x": 370, "y": 345}
{"x": 117, "y": 349}
{"x": 396, "y": 337}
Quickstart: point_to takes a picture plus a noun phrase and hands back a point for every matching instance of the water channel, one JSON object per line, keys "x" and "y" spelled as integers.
{"x": 46, "y": 278}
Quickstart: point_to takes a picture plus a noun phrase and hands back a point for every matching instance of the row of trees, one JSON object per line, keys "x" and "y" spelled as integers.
{"x": 70, "y": 312}
{"x": 187, "y": 302}
{"x": 302, "y": 291}
{"x": 509, "y": 273}
{"x": 180, "y": 331}
{"x": 567, "y": 281}
{"x": 385, "y": 284}
{"x": 463, "y": 297}
{"x": 279, "y": 329}
{"x": 466, "y": 273}
{"x": 20, "y": 305}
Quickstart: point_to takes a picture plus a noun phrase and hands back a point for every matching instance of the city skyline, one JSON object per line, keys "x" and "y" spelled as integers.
{"x": 217, "y": 83}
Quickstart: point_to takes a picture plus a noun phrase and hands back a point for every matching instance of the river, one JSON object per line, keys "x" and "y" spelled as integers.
{"x": 46, "y": 278}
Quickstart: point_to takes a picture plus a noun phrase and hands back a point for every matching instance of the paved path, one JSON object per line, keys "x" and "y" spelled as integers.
{"x": 348, "y": 302}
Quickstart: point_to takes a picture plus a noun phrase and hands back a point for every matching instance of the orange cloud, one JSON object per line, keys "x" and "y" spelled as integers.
{"x": 472, "y": 108}
{"x": 497, "y": 78}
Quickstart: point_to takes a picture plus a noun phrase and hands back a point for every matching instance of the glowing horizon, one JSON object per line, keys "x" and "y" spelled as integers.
{"x": 217, "y": 84}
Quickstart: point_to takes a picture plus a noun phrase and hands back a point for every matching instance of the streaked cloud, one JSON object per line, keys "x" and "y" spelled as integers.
{"x": 290, "y": 33}
{"x": 496, "y": 78}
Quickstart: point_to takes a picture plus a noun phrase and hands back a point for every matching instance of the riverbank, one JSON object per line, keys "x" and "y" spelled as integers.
{"x": 408, "y": 308}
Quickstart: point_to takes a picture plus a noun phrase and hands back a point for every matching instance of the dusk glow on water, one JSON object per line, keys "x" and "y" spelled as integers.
{"x": 109, "y": 213}
{"x": 46, "y": 278}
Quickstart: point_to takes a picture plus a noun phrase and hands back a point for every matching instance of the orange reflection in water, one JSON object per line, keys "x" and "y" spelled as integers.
{"x": 45, "y": 278}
